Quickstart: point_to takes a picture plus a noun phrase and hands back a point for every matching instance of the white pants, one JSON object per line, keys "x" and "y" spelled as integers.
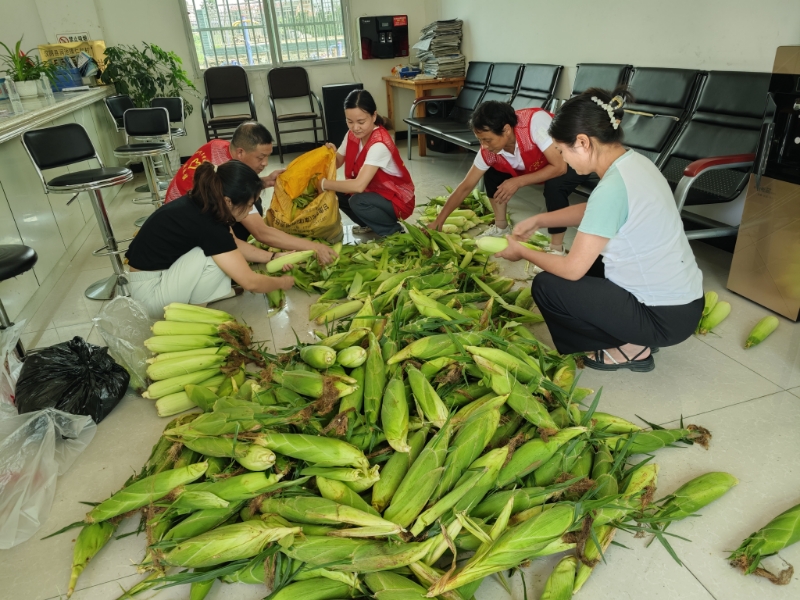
{"x": 193, "y": 279}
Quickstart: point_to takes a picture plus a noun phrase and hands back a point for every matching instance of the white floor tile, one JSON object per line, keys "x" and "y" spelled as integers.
{"x": 795, "y": 391}
{"x": 65, "y": 334}
{"x": 40, "y": 339}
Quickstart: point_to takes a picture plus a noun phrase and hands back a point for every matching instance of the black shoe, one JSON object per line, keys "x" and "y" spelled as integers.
{"x": 634, "y": 364}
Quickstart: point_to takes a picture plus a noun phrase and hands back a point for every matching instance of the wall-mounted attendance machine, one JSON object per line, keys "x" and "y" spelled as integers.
{"x": 384, "y": 37}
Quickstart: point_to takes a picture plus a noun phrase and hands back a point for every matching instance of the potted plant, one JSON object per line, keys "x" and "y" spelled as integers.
{"x": 146, "y": 73}
{"x": 25, "y": 70}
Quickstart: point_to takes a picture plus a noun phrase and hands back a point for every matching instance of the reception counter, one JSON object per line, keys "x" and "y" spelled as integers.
{"x": 28, "y": 215}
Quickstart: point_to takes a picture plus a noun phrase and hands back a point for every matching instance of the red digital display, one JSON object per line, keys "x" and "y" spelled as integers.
{"x": 399, "y": 21}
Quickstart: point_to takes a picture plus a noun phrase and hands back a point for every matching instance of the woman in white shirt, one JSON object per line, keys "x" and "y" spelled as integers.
{"x": 630, "y": 283}
{"x": 377, "y": 190}
{"x": 516, "y": 151}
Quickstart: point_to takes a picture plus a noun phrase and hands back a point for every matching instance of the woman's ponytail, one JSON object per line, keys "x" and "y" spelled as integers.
{"x": 233, "y": 180}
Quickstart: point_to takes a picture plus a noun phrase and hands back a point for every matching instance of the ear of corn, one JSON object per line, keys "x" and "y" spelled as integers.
{"x": 533, "y": 454}
{"x": 561, "y": 581}
{"x": 364, "y": 317}
{"x": 89, "y": 542}
{"x": 370, "y": 478}
{"x": 295, "y": 258}
{"x": 314, "y": 385}
{"x": 145, "y": 491}
{"x": 339, "y": 492}
{"x": 352, "y": 357}
{"x": 717, "y": 315}
{"x": 426, "y": 397}
{"x": 433, "y": 346}
{"x": 159, "y": 389}
{"x": 394, "y": 415}
{"x": 190, "y": 313}
{"x": 322, "y": 451}
{"x": 605, "y": 482}
{"x": 199, "y": 501}
{"x": 321, "y": 511}
{"x": 339, "y": 311}
{"x": 374, "y": 380}
{"x": 319, "y": 357}
{"x": 174, "y": 343}
{"x": 611, "y": 424}
{"x": 346, "y": 339}
{"x": 524, "y": 498}
{"x": 762, "y": 329}
{"x": 200, "y": 522}
{"x": 355, "y": 399}
{"x": 318, "y": 588}
{"x": 779, "y": 533}
{"x": 695, "y": 494}
{"x": 520, "y": 369}
{"x": 173, "y": 404}
{"x": 395, "y": 469}
{"x": 181, "y": 366}
{"x": 592, "y": 555}
{"x": 239, "y": 487}
{"x": 181, "y": 328}
{"x": 429, "y": 517}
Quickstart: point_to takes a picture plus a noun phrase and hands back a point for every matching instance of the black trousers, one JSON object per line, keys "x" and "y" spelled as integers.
{"x": 556, "y": 190}
{"x": 593, "y": 313}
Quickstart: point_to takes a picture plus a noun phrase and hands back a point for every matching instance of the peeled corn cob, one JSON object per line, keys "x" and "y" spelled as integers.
{"x": 174, "y": 343}
{"x": 761, "y": 331}
{"x": 164, "y": 369}
{"x": 172, "y": 385}
{"x": 295, "y": 258}
{"x": 190, "y": 313}
{"x": 717, "y": 315}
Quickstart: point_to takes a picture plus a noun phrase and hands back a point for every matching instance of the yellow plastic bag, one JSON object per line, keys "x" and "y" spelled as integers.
{"x": 320, "y": 219}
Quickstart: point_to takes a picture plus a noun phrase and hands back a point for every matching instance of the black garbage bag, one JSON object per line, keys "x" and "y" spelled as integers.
{"x": 75, "y": 376}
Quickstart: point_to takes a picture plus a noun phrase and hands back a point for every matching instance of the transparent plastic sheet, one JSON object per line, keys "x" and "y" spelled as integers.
{"x": 10, "y": 367}
{"x": 35, "y": 448}
{"x": 124, "y": 325}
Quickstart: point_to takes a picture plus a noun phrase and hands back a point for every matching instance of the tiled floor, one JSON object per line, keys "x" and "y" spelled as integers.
{"x": 750, "y": 400}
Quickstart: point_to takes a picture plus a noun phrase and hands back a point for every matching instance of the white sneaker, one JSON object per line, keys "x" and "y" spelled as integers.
{"x": 494, "y": 231}
{"x": 562, "y": 252}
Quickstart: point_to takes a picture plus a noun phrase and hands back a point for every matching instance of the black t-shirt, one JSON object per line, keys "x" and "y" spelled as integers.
{"x": 172, "y": 231}
{"x": 239, "y": 230}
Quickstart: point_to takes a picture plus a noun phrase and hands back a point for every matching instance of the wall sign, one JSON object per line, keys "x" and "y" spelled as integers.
{"x": 66, "y": 38}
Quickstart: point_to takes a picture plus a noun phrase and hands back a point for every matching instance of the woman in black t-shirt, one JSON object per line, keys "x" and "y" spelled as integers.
{"x": 186, "y": 251}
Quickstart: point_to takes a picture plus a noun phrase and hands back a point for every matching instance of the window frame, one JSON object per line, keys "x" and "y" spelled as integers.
{"x": 272, "y": 33}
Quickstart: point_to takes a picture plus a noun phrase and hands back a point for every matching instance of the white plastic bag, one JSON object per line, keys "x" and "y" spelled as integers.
{"x": 10, "y": 367}
{"x": 35, "y": 448}
{"x": 124, "y": 325}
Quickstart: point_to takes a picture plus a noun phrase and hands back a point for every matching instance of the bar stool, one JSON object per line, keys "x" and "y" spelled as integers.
{"x": 14, "y": 260}
{"x": 174, "y": 106}
{"x": 64, "y": 145}
{"x": 116, "y": 106}
{"x": 152, "y": 124}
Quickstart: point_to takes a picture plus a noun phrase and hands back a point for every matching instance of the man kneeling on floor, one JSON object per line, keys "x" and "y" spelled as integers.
{"x": 251, "y": 144}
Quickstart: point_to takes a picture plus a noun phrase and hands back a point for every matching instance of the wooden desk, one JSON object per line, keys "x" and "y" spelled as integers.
{"x": 421, "y": 88}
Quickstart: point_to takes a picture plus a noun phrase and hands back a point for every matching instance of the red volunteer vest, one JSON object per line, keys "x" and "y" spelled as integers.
{"x": 398, "y": 190}
{"x": 532, "y": 157}
{"x": 217, "y": 152}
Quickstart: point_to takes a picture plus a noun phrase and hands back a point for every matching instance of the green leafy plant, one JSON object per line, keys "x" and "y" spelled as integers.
{"x": 21, "y": 66}
{"x": 146, "y": 73}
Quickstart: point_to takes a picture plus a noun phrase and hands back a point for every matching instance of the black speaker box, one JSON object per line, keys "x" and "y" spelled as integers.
{"x": 440, "y": 108}
{"x": 333, "y": 97}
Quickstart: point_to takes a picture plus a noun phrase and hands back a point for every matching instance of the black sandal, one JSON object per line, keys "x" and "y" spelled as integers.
{"x": 640, "y": 366}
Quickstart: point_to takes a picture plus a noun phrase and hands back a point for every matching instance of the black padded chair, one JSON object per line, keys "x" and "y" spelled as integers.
{"x": 174, "y": 106}
{"x": 225, "y": 85}
{"x": 712, "y": 157}
{"x": 503, "y": 82}
{"x": 153, "y": 125}
{"x": 599, "y": 75}
{"x": 537, "y": 86}
{"x": 475, "y": 84}
{"x": 15, "y": 260}
{"x": 65, "y": 145}
{"x": 116, "y": 106}
{"x": 292, "y": 82}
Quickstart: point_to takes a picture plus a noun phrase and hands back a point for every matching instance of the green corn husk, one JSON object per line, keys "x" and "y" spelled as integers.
{"x": 464, "y": 395}
{"x": 561, "y": 581}
{"x": 562, "y": 461}
{"x": 355, "y": 555}
{"x": 321, "y": 511}
{"x": 695, "y": 494}
{"x": 394, "y": 415}
{"x": 535, "y": 453}
{"x": 201, "y": 521}
{"x": 355, "y": 399}
{"x": 228, "y": 543}
{"x": 453, "y": 530}
{"x": 717, "y": 315}
{"x": 426, "y": 397}
{"x": 339, "y": 311}
{"x": 514, "y": 546}
{"x": 336, "y": 474}
{"x": 762, "y": 329}
{"x": 591, "y": 554}
{"x": 198, "y": 501}
{"x": 89, "y": 542}
{"x": 339, "y": 492}
{"x": 363, "y": 318}
{"x": 253, "y": 458}
{"x": 645, "y": 442}
{"x": 346, "y": 339}
{"x": 611, "y": 424}
{"x": 429, "y": 517}
{"x": 145, "y": 491}
{"x": 520, "y": 369}
{"x": 468, "y": 444}
{"x": 524, "y": 498}
{"x": 395, "y": 469}
{"x": 318, "y": 356}
{"x": 491, "y": 462}
{"x": 374, "y": 380}
{"x": 239, "y": 487}
{"x": 420, "y": 481}
{"x": 605, "y": 483}
{"x": 391, "y": 586}
{"x": 200, "y": 589}
{"x": 643, "y": 479}
{"x": 432, "y": 367}
{"x": 314, "y": 385}
{"x": 322, "y": 451}
{"x": 779, "y": 533}
{"x": 318, "y": 588}
{"x": 434, "y": 346}
{"x": 359, "y": 486}
{"x": 352, "y": 357}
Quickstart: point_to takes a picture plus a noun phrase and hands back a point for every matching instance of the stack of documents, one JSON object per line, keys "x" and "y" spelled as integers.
{"x": 439, "y": 49}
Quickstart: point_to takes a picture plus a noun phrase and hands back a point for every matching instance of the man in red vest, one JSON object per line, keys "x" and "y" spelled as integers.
{"x": 516, "y": 151}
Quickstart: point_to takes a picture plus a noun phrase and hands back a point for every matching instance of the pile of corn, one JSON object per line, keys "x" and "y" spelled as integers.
{"x": 418, "y": 447}
{"x": 476, "y": 210}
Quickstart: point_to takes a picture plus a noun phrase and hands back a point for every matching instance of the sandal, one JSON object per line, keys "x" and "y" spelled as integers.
{"x": 640, "y": 366}
{"x": 359, "y": 230}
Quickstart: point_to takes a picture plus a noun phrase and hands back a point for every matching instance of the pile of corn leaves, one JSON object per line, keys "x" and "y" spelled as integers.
{"x": 426, "y": 442}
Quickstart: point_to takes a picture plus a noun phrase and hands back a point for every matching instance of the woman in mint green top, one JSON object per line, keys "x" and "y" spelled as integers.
{"x": 630, "y": 283}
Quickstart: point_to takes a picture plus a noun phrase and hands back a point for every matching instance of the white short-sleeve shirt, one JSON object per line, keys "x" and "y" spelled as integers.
{"x": 377, "y": 156}
{"x": 540, "y": 123}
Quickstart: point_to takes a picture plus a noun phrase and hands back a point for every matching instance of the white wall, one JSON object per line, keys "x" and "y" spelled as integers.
{"x": 705, "y": 34}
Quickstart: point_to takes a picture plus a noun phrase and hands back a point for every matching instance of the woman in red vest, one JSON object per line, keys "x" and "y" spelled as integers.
{"x": 378, "y": 189}
{"x": 516, "y": 151}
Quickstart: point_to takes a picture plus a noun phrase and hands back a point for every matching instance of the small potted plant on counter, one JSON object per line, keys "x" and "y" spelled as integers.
{"x": 147, "y": 73}
{"x": 25, "y": 70}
